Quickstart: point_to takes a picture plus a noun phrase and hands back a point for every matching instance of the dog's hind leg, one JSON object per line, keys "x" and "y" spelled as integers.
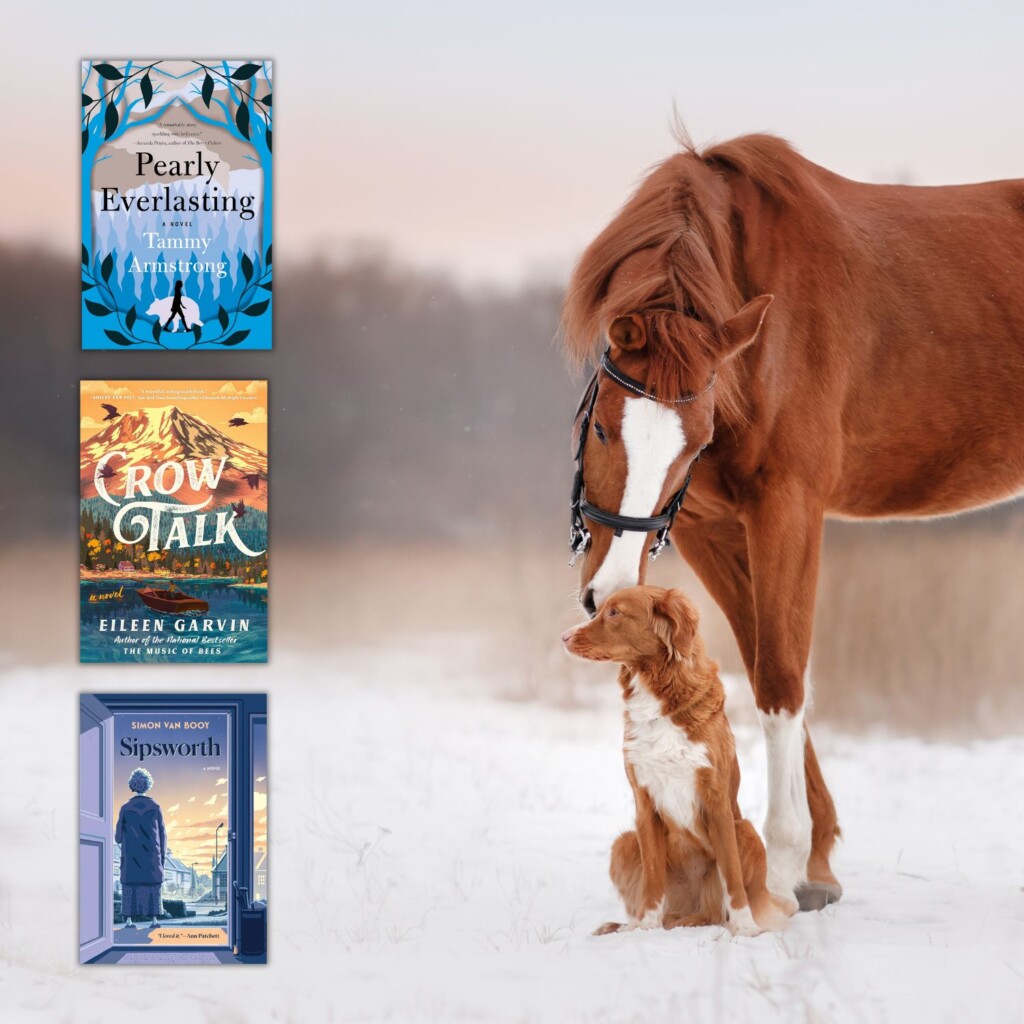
{"x": 699, "y": 920}
{"x": 626, "y": 872}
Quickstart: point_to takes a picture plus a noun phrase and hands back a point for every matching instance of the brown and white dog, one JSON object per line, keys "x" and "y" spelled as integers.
{"x": 693, "y": 859}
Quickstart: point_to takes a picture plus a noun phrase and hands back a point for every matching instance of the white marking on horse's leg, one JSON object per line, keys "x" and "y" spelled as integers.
{"x": 653, "y": 437}
{"x": 787, "y": 827}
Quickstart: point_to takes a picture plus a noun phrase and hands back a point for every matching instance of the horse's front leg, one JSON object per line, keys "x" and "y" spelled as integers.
{"x": 784, "y": 530}
{"x": 719, "y": 553}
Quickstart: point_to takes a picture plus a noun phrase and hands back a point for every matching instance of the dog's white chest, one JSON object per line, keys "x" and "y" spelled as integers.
{"x": 664, "y": 759}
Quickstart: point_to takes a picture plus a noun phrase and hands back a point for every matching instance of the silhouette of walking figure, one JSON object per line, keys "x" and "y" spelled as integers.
{"x": 176, "y": 307}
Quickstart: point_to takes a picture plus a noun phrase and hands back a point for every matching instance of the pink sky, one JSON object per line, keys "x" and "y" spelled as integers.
{"x": 496, "y": 140}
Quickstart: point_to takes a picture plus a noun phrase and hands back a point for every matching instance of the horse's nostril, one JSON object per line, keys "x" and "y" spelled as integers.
{"x": 588, "y": 603}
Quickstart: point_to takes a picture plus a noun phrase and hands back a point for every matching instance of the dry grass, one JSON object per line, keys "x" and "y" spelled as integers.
{"x": 919, "y": 628}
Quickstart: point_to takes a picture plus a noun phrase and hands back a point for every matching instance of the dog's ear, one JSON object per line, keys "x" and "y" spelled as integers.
{"x": 675, "y": 622}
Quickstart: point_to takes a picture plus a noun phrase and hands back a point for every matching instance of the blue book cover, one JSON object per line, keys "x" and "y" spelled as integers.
{"x": 172, "y": 828}
{"x": 177, "y": 204}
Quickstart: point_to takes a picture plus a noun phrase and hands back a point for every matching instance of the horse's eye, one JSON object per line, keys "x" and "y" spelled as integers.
{"x": 692, "y": 313}
{"x": 599, "y": 431}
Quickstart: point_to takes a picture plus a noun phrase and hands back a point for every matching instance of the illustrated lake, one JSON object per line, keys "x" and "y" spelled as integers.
{"x": 170, "y": 645}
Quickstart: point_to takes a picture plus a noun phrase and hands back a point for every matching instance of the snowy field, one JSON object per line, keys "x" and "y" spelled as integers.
{"x": 438, "y": 855}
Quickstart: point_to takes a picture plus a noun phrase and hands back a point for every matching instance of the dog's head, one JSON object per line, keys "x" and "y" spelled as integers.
{"x": 635, "y": 625}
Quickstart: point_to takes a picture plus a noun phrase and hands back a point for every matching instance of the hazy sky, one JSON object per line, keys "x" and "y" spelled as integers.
{"x": 495, "y": 140}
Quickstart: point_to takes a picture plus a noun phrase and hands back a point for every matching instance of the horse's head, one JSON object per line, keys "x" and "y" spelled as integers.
{"x": 655, "y": 290}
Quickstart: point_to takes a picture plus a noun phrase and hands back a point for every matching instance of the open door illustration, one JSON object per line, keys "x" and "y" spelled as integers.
{"x": 95, "y": 829}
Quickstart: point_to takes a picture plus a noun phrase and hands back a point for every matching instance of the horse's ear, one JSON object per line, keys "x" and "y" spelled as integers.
{"x": 742, "y": 329}
{"x": 628, "y": 333}
{"x": 675, "y": 622}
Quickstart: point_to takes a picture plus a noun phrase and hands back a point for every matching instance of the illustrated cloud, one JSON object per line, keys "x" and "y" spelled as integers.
{"x": 230, "y": 388}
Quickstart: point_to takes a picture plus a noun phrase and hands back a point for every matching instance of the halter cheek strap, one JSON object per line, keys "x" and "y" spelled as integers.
{"x": 582, "y": 510}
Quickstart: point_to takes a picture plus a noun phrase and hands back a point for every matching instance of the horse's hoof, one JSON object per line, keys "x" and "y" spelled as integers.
{"x": 818, "y": 895}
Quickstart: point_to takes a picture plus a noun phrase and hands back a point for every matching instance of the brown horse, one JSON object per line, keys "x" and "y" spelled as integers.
{"x": 844, "y": 350}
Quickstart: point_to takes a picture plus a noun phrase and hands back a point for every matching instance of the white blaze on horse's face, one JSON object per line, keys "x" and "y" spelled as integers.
{"x": 653, "y": 438}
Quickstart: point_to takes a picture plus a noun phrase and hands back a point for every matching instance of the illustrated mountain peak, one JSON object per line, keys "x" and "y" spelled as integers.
{"x": 163, "y": 433}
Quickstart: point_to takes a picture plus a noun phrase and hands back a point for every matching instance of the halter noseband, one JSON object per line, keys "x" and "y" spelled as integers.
{"x": 582, "y": 510}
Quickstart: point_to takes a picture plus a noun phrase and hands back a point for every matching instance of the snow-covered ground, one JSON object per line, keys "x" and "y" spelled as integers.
{"x": 440, "y": 855}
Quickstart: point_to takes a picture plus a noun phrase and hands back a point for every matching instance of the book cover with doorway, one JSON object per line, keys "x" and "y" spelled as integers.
{"x": 173, "y": 549}
{"x": 173, "y": 828}
{"x": 177, "y": 203}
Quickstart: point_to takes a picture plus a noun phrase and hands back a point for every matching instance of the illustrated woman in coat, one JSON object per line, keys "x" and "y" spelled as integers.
{"x": 143, "y": 841}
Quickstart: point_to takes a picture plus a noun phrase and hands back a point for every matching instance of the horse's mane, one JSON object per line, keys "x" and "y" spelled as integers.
{"x": 685, "y": 222}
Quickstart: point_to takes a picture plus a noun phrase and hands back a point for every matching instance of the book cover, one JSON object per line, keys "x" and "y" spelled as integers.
{"x": 173, "y": 828}
{"x": 177, "y": 194}
{"x": 173, "y": 533}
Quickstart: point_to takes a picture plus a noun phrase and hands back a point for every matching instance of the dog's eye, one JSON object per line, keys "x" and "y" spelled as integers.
{"x": 613, "y": 612}
{"x": 599, "y": 431}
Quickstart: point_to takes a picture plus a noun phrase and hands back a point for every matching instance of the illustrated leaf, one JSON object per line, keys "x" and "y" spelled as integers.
{"x": 207, "y": 89}
{"x": 156, "y": 331}
{"x": 270, "y": 140}
{"x": 85, "y": 255}
{"x": 86, "y": 285}
{"x": 268, "y": 100}
{"x": 242, "y": 119}
{"x": 270, "y": 254}
{"x": 246, "y": 266}
{"x": 110, "y": 120}
{"x": 118, "y": 338}
{"x": 222, "y": 316}
{"x": 257, "y": 308}
{"x": 85, "y": 139}
{"x": 97, "y": 309}
{"x": 87, "y": 100}
{"x": 269, "y": 286}
{"x": 109, "y": 72}
{"x": 236, "y": 338}
{"x": 197, "y": 331}
{"x": 129, "y": 319}
{"x": 107, "y": 266}
{"x": 244, "y": 72}
{"x": 147, "y": 89}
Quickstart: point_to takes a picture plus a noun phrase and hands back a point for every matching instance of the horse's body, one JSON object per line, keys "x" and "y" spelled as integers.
{"x": 886, "y": 379}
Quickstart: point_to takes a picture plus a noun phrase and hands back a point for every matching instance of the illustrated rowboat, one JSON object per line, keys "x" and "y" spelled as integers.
{"x": 171, "y": 601}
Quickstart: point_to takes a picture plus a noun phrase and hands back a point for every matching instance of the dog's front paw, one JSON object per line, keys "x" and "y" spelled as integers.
{"x": 788, "y": 906}
{"x": 741, "y": 922}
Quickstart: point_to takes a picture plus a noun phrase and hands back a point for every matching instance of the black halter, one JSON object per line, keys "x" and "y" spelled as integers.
{"x": 582, "y": 510}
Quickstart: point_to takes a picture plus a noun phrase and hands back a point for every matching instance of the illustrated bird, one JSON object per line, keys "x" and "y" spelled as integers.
{"x": 252, "y": 479}
{"x": 107, "y": 472}
{"x": 112, "y": 412}
{"x": 237, "y": 421}
{"x": 238, "y": 507}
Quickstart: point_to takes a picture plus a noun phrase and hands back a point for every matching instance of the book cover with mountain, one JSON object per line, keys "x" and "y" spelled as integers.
{"x": 173, "y": 534}
{"x": 173, "y": 828}
{"x": 177, "y": 172}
